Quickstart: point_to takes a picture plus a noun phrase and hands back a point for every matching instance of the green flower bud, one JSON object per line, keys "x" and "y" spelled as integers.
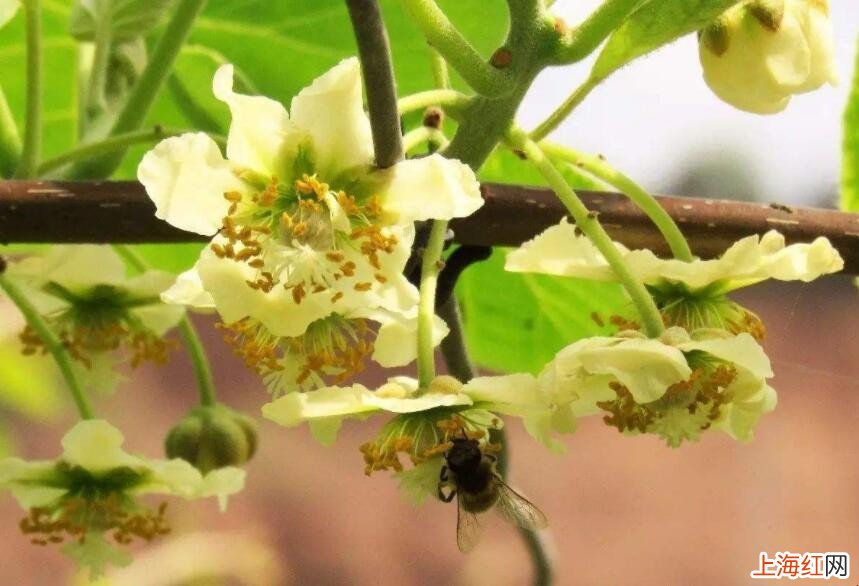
{"x": 213, "y": 437}
{"x": 760, "y": 53}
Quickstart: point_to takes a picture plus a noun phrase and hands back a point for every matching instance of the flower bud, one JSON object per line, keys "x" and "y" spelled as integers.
{"x": 759, "y": 53}
{"x": 213, "y": 437}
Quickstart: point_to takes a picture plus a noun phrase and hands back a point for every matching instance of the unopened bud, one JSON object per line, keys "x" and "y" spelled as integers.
{"x": 213, "y": 437}
{"x": 760, "y": 53}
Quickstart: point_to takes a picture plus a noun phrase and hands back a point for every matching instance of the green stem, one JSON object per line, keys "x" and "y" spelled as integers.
{"x": 199, "y": 362}
{"x": 598, "y": 167}
{"x": 590, "y": 227}
{"x": 106, "y": 146}
{"x": 94, "y": 104}
{"x": 52, "y": 343}
{"x": 33, "y": 125}
{"x": 451, "y": 100}
{"x": 455, "y": 48}
{"x": 196, "y": 351}
{"x": 10, "y": 140}
{"x": 430, "y": 268}
{"x": 424, "y": 134}
{"x": 603, "y": 21}
{"x": 565, "y": 109}
{"x": 146, "y": 89}
{"x": 440, "y": 74}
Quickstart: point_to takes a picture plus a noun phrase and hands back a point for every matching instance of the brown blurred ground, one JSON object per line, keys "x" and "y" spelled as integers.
{"x": 623, "y": 510}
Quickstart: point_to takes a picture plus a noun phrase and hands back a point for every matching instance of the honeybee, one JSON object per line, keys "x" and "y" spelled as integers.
{"x": 469, "y": 474}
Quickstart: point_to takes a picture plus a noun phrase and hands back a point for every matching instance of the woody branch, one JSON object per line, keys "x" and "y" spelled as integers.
{"x": 121, "y": 212}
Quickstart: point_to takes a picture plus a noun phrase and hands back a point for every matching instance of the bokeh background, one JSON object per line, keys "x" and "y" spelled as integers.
{"x": 622, "y": 510}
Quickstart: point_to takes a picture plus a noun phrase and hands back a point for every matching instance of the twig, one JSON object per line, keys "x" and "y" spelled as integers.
{"x": 378, "y": 71}
{"x": 121, "y": 212}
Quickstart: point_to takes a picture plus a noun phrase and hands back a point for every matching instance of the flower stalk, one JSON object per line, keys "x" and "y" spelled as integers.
{"x": 51, "y": 342}
{"x": 146, "y": 89}
{"x": 431, "y": 264}
{"x": 590, "y": 226}
{"x": 598, "y": 167}
{"x": 190, "y": 338}
{"x": 33, "y": 126}
{"x": 10, "y": 140}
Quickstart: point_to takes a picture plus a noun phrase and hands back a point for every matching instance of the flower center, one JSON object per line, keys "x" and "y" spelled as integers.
{"x": 94, "y": 503}
{"x": 686, "y": 409}
{"x": 420, "y": 437}
{"x": 304, "y": 236}
{"x": 331, "y": 351}
{"x": 97, "y": 321}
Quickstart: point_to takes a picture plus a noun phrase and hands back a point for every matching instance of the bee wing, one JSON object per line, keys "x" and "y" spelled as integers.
{"x": 518, "y": 510}
{"x": 468, "y": 528}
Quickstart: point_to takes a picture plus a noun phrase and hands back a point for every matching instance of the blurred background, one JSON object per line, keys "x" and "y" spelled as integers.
{"x": 622, "y": 510}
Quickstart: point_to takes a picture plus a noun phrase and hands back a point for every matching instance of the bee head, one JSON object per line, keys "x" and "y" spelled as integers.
{"x": 464, "y": 455}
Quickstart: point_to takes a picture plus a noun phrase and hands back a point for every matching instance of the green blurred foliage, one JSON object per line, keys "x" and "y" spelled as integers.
{"x": 850, "y": 159}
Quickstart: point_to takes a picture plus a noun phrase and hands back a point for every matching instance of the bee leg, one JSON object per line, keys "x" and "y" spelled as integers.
{"x": 492, "y": 458}
{"x": 445, "y": 498}
{"x": 443, "y": 475}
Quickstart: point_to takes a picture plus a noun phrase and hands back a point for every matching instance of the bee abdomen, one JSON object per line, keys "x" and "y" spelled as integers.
{"x": 479, "y": 502}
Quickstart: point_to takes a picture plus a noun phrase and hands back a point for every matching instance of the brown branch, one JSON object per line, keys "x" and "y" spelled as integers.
{"x": 120, "y": 212}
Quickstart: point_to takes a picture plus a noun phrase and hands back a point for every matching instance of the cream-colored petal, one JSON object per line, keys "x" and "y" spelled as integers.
{"x": 96, "y": 445}
{"x": 518, "y": 389}
{"x": 645, "y": 367}
{"x": 186, "y": 177}
{"x": 226, "y": 282}
{"x": 176, "y": 477}
{"x": 75, "y": 267}
{"x": 331, "y": 111}
{"x": 817, "y": 28}
{"x": 261, "y": 137}
{"x": 423, "y": 402}
{"x": 188, "y": 290}
{"x": 396, "y": 340}
{"x": 560, "y": 250}
{"x": 293, "y": 409}
{"x": 428, "y": 188}
{"x": 741, "y": 350}
{"x": 223, "y": 483}
{"x": 8, "y": 8}
{"x": 420, "y": 481}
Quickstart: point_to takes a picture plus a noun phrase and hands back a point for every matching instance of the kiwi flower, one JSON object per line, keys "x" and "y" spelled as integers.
{"x": 675, "y": 387}
{"x": 425, "y": 420}
{"x": 760, "y": 53}
{"x": 305, "y": 228}
{"x": 87, "y": 497}
{"x": 95, "y": 308}
{"x": 692, "y": 295}
{"x": 8, "y": 8}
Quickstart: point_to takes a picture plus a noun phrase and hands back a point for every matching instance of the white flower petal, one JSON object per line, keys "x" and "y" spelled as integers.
{"x": 331, "y": 111}
{"x": 423, "y": 402}
{"x": 329, "y": 404}
{"x": 96, "y": 445}
{"x": 396, "y": 340}
{"x": 8, "y": 8}
{"x": 188, "y": 290}
{"x": 260, "y": 129}
{"x": 76, "y": 268}
{"x": 741, "y": 350}
{"x": 432, "y": 187}
{"x": 186, "y": 177}
{"x": 559, "y": 250}
{"x": 223, "y": 483}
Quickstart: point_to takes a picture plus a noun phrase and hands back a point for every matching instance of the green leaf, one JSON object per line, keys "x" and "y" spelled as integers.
{"x": 521, "y": 321}
{"x": 850, "y": 159}
{"x": 126, "y": 19}
{"x": 655, "y": 24}
{"x": 28, "y": 385}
